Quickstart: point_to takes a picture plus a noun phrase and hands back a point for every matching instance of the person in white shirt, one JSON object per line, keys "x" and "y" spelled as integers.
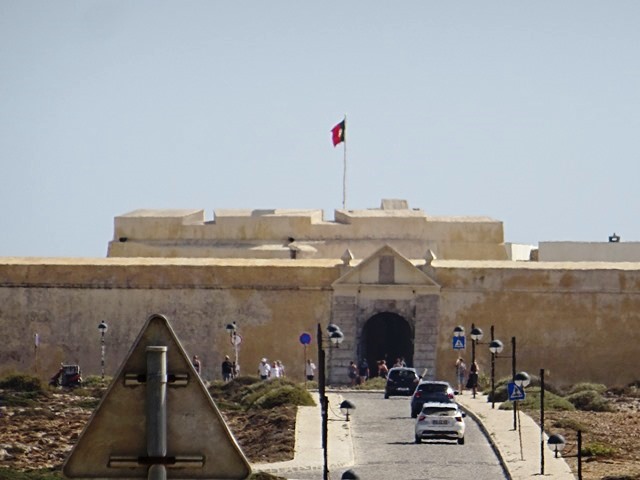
{"x": 275, "y": 371}
{"x": 310, "y": 370}
{"x": 264, "y": 369}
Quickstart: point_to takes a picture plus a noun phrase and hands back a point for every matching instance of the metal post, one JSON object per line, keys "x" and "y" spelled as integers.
{"x": 156, "y": 405}
{"x": 579, "y": 454}
{"x": 513, "y": 379}
{"x": 324, "y": 404}
{"x": 493, "y": 374}
{"x": 542, "y": 421}
{"x": 473, "y": 361}
{"x": 102, "y": 349}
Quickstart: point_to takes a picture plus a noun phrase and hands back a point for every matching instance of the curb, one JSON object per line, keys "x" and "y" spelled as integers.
{"x": 488, "y": 436}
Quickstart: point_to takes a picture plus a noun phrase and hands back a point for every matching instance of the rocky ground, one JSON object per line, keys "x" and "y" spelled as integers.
{"x": 613, "y": 436}
{"x": 41, "y": 433}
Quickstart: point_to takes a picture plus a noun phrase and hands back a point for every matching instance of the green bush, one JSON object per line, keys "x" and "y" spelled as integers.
{"x": 375, "y": 383}
{"x": 552, "y": 402}
{"x": 587, "y": 386}
{"x": 20, "y": 382}
{"x": 284, "y": 395}
{"x": 311, "y": 385}
{"x": 247, "y": 392}
{"x": 42, "y": 474}
{"x": 95, "y": 381}
{"x": 597, "y": 449}
{"x": 570, "y": 424}
{"x": 590, "y": 400}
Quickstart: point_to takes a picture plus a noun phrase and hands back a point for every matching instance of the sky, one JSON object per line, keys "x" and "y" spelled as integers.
{"x": 526, "y": 112}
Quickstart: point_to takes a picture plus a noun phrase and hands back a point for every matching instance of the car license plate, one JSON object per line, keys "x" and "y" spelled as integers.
{"x": 440, "y": 422}
{"x": 403, "y": 389}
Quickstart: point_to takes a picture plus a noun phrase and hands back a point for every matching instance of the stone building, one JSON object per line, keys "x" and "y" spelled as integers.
{"x": 396, "y": 280}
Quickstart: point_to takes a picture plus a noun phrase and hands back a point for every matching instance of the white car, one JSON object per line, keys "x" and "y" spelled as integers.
{"x": 440, "y": 420}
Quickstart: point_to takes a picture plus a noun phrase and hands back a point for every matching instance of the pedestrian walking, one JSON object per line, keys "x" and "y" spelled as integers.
{"x": 310, "y": 370}
{"x": 227, "y": 369}
{"x": 363, "y": 370}
{"x": 195, "y": 361}
{"x": 275, "y": 370}
{"x": 352, "y": 372}
{"x": 461, "y": 373}
{"x": 472, "y": 382}
{"x": 264, "y": 369}
{"x": 383, "y": 370}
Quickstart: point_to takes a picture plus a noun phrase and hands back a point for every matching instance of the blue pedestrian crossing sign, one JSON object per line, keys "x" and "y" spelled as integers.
{"x": 458, "y": 343}
{"x": 515, "y": 392}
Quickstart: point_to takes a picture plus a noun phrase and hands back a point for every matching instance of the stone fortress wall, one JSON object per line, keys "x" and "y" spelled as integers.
{"x": 578, "y": 320}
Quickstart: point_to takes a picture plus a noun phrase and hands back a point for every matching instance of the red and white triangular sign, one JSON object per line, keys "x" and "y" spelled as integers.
{"x": 114, "y": 444}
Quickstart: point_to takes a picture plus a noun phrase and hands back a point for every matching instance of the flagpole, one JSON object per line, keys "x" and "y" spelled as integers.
{"x": 344, "y": 173}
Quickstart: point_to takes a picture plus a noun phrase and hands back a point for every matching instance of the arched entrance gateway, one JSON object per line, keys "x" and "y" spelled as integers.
{"x": 386, "y": 336}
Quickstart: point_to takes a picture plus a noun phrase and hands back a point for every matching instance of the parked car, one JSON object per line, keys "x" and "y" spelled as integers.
{"x": 401, "y": 381}
{"x": 440, "y": 420}
{"x": 430, "y": 391}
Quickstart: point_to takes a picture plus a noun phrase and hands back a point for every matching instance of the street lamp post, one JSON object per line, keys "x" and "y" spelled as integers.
{"x": 345, "y": 407}
{"x": 102, "y": 328}
{"x": 336, "y": 337}
{"x": 495, "y": 347}
{"x": 557, "y": 443}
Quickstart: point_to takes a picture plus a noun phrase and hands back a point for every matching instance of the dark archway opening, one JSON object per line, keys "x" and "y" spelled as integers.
{"x": 386, "y": 336}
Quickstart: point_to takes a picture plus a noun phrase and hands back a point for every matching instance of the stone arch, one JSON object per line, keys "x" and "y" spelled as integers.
{"x": 386, "y": 336}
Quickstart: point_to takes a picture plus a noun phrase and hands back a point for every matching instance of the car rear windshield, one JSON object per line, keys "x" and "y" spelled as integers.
{"x": 402, "y": 374}
{"x": 439, "y": 411}
{"x": 433, "y": 388}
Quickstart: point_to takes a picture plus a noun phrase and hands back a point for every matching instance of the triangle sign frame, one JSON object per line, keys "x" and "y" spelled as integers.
{"x": 115, "y": 442}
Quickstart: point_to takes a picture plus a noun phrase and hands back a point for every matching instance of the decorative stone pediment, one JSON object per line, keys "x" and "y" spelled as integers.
{"x": 386, "y": 270}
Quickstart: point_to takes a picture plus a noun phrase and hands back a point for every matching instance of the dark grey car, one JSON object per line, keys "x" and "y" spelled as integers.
{"x": 430, "y": 391}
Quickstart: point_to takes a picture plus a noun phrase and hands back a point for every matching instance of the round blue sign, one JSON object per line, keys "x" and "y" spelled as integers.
{"x": 305, "y": 339}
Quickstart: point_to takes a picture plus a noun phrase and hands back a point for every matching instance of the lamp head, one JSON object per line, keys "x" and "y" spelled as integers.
{"x": 336, "y": 337}
{"x": 522, "y": 379}
{"x": 556, "y": 443}
{"x": 349, "y": 475}
{"x": 345, "y": 406}
{"x": 476, "y": 334}
{"x": 496, "y": 346}
{"x": 332, "y": 327}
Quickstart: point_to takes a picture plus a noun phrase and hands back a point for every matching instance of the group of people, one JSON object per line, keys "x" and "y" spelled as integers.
{"x": 461, "y": 375}
{"x": 275, "y": 370}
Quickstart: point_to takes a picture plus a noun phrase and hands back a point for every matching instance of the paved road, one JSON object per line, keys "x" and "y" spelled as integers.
{"x": 384, "y": 445}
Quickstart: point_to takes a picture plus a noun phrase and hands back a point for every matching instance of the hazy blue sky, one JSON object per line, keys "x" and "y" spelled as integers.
{"x": 527, "y": 112}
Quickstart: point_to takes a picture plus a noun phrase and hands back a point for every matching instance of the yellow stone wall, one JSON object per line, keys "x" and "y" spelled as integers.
{"x": 578, "y": 321}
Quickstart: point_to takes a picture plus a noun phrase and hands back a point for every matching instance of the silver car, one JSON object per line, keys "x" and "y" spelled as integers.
{"x": 440, "y": 420}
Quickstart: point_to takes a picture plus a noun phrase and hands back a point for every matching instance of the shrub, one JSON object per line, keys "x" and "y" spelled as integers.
{"x": 42, "y": 474}
{"x": 311, "y": 385}
{"x": 247, "y": 392}
{"x": 570, "y": 424}
{"x": 590, "y": 400}
{"x": 21, "y": 383}
{"x": 597, "y": 449}
{"x": 375, "y": 383}
{"x": 586, "y": 386}
{"x": 552, "y": 402}
{"x": 95, "y": 381}
{"x": 284, "y": 395}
